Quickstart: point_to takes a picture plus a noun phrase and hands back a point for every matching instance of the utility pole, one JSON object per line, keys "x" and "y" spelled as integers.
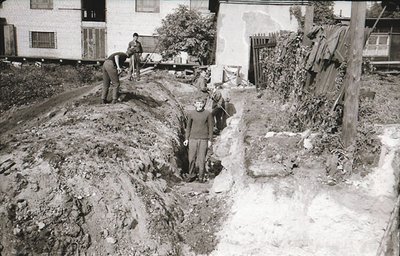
{"x": 308, "y": 23}
{"x": 352, "y": 81}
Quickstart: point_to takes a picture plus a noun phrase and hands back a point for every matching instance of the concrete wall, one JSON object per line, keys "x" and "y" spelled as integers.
{"x": 121, "y": 22}
{"x": 236, "y": 23}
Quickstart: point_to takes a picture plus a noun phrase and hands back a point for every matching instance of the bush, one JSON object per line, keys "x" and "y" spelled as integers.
{"x": 189, "y": 31}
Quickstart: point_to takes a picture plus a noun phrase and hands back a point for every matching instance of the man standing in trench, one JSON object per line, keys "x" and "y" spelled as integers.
{"x": 199, "y": 132}
{"x": 111, "y": 71}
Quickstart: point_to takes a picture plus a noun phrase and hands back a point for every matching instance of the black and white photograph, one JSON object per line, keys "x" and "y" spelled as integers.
{"x": 199, "y": 128}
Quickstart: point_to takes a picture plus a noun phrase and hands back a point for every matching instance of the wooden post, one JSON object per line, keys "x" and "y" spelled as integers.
{"x": 352, "y": 80}
{"x": 308, "y": 23}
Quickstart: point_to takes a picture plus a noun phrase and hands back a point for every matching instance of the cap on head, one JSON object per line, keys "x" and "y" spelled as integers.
{"x": 135, "y": 34}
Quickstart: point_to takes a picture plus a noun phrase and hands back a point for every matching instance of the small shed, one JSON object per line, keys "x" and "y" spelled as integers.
{"x": 384, "y": 42}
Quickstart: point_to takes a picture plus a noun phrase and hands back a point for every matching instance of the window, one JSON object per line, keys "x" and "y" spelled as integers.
{"x": 147, "y": 5}
{"x": 42, "y": 39}
{"x": 377, "y": 46}
{"x": 41, "y": 4}
{"x": 94, "y": 10}
{"x": 149, "y": 43}
{"x": 201, "y": 5}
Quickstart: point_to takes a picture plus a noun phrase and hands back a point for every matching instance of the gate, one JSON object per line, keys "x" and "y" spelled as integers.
{"x": 9, "y": 44}
{"x": 257, "y": 43}
{"x": 93, "y": 43}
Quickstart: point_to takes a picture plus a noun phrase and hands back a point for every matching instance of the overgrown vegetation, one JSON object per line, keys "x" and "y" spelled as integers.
{"x": 392, "y": 9}
{"x": 323, "y": 13}
{"x": 189, "y": 31}
{"x": 379, "y": 101}
{"x": 27, "y": 84}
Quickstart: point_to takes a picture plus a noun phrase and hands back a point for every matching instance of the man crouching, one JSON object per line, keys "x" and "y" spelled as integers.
{"x": 199, "y": 132}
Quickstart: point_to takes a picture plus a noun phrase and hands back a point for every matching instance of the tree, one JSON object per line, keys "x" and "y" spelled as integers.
{"x": 392, "y": 10}
{"x": 189, "y": 31}
{"x": 323, "y": 13}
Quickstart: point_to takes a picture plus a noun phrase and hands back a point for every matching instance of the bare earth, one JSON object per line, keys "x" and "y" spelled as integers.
{"x": 80, "y": 177}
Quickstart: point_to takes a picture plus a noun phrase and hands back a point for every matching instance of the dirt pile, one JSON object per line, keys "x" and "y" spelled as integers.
{"x": 28, "y": 83}
{"x": 98, "y": 179}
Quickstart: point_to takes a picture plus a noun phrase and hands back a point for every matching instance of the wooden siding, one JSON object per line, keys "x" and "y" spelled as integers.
{"x": 93, "y": 43}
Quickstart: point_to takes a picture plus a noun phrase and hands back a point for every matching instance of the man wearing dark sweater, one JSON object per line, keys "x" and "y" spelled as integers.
{"x": 112, "y": 68}
{"x": 199, "y": 131}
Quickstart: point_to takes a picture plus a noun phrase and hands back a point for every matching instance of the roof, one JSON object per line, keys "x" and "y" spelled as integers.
{"x": 267, "y": 2}
{"x": 383, "y": 22}
{"x": 371, "y": 19}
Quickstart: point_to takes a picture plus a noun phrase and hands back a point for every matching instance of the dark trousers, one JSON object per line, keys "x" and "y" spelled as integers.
{"x": 197, "y": 156}
{"x": 218, "y": 115}
{"x": 134, "y": 66}
{"x": 110, "y": 74}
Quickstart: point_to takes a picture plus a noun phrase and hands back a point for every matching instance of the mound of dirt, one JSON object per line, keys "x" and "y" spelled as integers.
{"x": 29, "y": 83}
{"x": 96, "y": 179}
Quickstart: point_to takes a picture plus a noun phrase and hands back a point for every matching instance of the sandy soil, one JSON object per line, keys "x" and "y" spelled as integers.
{"x": 78, "y": 177}
{"x": 297, "y": 213}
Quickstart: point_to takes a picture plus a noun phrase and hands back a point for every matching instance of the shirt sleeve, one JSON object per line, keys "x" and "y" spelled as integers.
{"x": 140, "y": 49}
{"x": 210, "y": 121}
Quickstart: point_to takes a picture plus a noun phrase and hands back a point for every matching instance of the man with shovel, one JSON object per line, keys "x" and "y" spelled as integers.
{"x": 112, "y": 68}
{"x": 218, "y": 108}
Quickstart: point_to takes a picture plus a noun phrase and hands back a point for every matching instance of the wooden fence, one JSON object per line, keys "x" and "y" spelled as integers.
{"x": 257, "y": 43}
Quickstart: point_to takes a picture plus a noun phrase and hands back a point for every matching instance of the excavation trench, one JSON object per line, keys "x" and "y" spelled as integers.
{"x": 99, "y": 179}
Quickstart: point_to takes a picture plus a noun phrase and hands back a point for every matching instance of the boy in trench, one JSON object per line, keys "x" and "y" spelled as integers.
{"x": 112, "y": 68}
{"x": 199, "y": 132}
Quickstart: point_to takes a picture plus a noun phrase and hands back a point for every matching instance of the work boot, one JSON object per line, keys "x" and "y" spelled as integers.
{"x": 114, "y": 101}
{"x": 103, "y": 101}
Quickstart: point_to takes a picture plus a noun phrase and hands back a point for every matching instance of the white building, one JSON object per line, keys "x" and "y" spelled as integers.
{"x": 81, "y": 29}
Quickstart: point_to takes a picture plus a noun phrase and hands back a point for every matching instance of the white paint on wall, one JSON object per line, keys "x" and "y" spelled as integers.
{"x": 236, "y": 23}
{"x": 66, "y": 23}
{"x": 122, "y": 21}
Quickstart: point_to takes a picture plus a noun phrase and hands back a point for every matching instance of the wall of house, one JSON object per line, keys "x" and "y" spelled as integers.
{"x": 123, "y": 21}
{"x": 62, "y": 20}
{"x": 65, "y": 19}
{"x": 236, "y": 23}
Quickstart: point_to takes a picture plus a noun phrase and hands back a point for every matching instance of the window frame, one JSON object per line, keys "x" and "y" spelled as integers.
{"x": 139, "y": 9}
{"x": 376, "y": 49}
{"x": 146, "y": 48}
{"x": 50, "y": 5}
{"x": 52, "y": 45}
